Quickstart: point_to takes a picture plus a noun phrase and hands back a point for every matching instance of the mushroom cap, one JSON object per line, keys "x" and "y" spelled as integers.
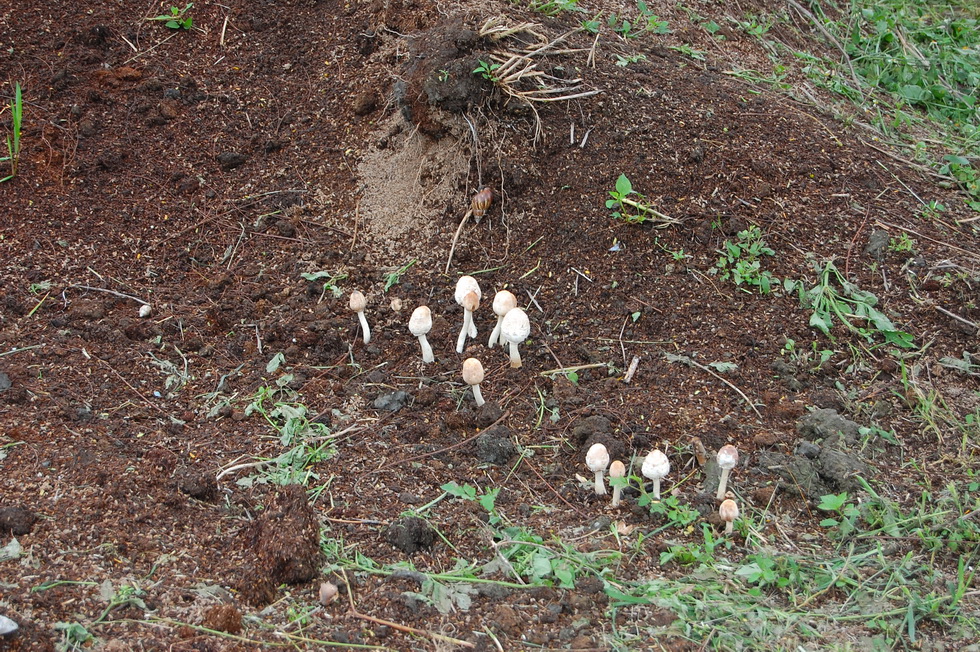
{"x": 617, "y": 470}
{"x": 503, "y": 302}
{"x": 597, "y": 459}
{"x": 472, "y": 371}
{"x": 357, "y": 301}
{"x": 728, "y": 510}
{"x": 420, "y": 323}
{"x": 464, "y": 286}
{"x": 515, "y": 326}
{"x": 656, "y": 465}
{"x": 471, "y": 301}
{"x": 727, "y": 456}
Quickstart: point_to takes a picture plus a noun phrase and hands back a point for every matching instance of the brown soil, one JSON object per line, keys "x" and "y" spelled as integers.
{"x": 204, "y": 171}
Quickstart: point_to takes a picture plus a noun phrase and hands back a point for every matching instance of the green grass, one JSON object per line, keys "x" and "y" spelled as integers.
{"x": 16, "y": 108}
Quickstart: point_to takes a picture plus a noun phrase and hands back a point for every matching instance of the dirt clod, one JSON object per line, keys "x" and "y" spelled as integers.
{"x": 286, "y": 538}
{"x": 16, "y": 520}
{"x": 410, "y": 534}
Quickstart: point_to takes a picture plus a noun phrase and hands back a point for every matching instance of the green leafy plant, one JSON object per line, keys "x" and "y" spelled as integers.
{"x": 74, "y": 637}
{"x": 393, "y": 278}
{"x": 553, "y": 7}
{"x": 902, "y": 244}
{"x": 834, "y": 298}
{"x": 844, "y": 513}
{"x": 741, "y": 260}
{"x": 629, "y": 205}
{"x": 12, "y": 158}
{"x": 177, "y": 18}
{"x": 330, "y": 281}
{"x": 486, "y": 70}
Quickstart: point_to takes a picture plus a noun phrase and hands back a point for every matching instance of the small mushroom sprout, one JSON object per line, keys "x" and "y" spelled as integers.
{"x": 468, "y": 296}
{"x": 617, "y": 471}
{"x": 358, "y": 303}
{"x": 420, "y": 324}
{"x": 727, "y": 459}
{"x": 728, "y": 512}
{"x": 514, "y": 329}
{"x": 473, "y": 376}
{"x": 655, "y": 467}
{"x": 597, "y": 459}
{"x": 503, "y": 302}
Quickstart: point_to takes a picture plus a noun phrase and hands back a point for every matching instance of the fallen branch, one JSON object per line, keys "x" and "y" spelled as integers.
{"x": 459, "y": 229}
{"x": 401, "y": 628}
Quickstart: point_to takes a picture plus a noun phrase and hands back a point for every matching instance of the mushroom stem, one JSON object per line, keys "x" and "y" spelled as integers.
{"x": 617, "y": 493}
{"x": 600, "y": 485}
{"x": 495, "y": 333}
{"x": 461, "y": 340}
{"x": 722, "y": 484}
{"x": 478, "y": 396}
{"x": 515, "y": 356}
{"x": 364, "y": 326}
{"x": 729, "y": 527}
{"x": 656, "y": 489}
{"x": 427, "y": 355}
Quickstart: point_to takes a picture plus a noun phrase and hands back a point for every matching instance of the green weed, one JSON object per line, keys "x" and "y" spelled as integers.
{"x": 741, "y": 261}
{"x": 629, "y": 205}
{"x": 330, "y": 282}
{"x": 177, "y": 18}
{"x": 393, "y": 278}
{"x": 12, "y": 158}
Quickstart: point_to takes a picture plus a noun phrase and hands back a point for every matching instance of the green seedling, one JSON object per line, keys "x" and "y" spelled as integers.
{"x": 12, "y": 158}
{"x": 629, "y": 205}
{"x": 329, "y": 285}
{"x": 177, "y": 18}
{"x": 486, "y": 70}
{"x": 902, "y": 244}
{"x": 395, "y": 277}
{"x": 553, "y": 7}
{"x": 741, "y": 260}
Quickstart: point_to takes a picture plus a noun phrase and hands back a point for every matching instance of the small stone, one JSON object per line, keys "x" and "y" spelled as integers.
{"x": 145, "y": 310}
{"x": 7, "y": 626}
{"x": 392, "y": 402}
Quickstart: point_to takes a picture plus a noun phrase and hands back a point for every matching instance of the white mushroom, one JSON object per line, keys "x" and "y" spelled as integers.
{"x": 597, "y": 459}
{"x": 617, "y": 471}
{"x": 503, "y": 302}
{"x": 655, "y": 467}
{"x": 420, "y": 324}
{"x": 467, "y": 295}
{"x": 514, "y": 329}
{"x": 728, "y": 512}
{"x": 358, "y": 303}
{"x": 727, "y": 459}
{"x": 473, "y": 376}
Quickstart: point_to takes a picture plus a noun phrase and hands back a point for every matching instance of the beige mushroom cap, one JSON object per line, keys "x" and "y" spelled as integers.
{"x": 727, "y": 456}
{"x": 420, "y": 323}
{"x": 728, "y": 510}
{"x": 357, "y": 301}
{"x": 617, "y": 470}
{"x": 472, "y": 371}
{"x": 597, "y": 459}
{"x": 515, "y": 327}
{"x": 464, "y": 286}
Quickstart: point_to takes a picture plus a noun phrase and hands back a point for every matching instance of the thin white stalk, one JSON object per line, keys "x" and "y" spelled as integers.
{"x": 617, "y": 493}
{"x": 656, "y": 489}
{"x": 515, "y": 357}
{"x": 723, "y": 484}
{"x": 364, "y": 326}
{"x": 729, "y": 526}
{"x": 427, "y": 355}
{"x": 461, "y": 340}
{"x": 478, "y": 395}
{"x": 471, "y": 323}
{"x": 600, "y": 486}
{"x": 495, "y": 333}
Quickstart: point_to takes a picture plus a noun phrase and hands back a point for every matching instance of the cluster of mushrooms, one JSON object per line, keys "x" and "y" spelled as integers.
{"x": 512, "y": 327}
{"x": 655, "y": 467}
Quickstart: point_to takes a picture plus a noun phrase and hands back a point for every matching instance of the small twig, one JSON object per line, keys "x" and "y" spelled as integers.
{"x": 566, "y": 370}
{"x": 112, "y": 292}
{"x": 634, "y": 364}
{"x": 688, "y": 361}
{"x": 21, "y": 349}
{"x": 459, "y": 229}
{"x": 224, "y": 27}
{"x": 533, "y": 299}
{"x": 401, "y": 628}
{"x": 956, "y": 317}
